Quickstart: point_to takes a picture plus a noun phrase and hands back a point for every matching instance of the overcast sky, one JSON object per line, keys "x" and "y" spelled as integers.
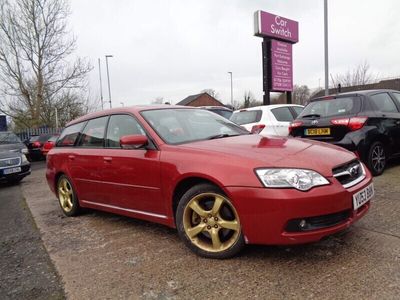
{"x": 177, "y": 48}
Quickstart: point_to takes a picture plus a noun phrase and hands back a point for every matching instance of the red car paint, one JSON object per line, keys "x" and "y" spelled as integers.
{"x": 141, "y": 183}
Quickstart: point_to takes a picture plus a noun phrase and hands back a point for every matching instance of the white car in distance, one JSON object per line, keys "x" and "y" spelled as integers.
{"x": 267, "y": 119}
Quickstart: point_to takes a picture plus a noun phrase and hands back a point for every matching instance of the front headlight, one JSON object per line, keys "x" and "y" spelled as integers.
{"x": 300, "y": 179}
{"x": 24, "y": 159}
{"x": 24, "y": 151}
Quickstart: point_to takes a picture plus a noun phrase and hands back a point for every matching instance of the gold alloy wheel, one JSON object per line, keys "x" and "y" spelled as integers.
{"x": 211, "y": 222}
{"x": 65, "y": 194}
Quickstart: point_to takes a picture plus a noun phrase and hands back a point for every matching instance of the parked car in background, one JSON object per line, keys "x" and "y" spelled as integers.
{"x": 219, "y": 185}
{"x": 221, "y": 110}
{"x": 267, "y": 120}
{"x": 35, "y": 144}
{"x": 14, "y": 166}
{"x": 365, "y": 122}
{"x": 11, "y": 142}
{"x": 49, "y": 144}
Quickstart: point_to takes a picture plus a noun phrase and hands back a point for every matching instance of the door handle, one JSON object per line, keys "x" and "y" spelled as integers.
{"x": 71, "y": 157}
{"x": 107, "y": 159}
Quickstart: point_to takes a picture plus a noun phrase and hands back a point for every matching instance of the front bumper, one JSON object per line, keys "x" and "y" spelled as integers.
{"x": 25, "y": 171}
{"x": 265, "y": 214}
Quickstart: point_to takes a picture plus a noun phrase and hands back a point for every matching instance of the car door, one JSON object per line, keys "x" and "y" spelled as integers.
{"x": 86, "y": 162}
{"x": 389, "y": 116}
{"x": 396, "y": 97}
{"x": 132, "y": 175}
{"x": 282, "y": 117}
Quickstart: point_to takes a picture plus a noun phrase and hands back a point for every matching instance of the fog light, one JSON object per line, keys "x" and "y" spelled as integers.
{"x": 303, "y": 223}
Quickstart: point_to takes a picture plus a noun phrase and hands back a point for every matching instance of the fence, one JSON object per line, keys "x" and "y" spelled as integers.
{"x": 27, "y": 133}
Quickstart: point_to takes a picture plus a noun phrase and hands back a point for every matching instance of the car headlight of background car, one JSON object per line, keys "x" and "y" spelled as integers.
{"x": 300, "y": 179}
{"x": 23, "y": 159}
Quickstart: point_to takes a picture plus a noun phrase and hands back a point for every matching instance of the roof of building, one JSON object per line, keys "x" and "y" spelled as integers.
{"x": 191, "y": 98}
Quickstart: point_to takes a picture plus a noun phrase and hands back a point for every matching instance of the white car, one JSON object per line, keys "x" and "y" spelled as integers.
{"x": 268, "y": 119}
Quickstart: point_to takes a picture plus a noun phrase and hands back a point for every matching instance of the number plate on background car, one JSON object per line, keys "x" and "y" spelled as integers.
{"x": 12, "y": 170}
{"x": 363, "y": 196}
{"x": 317, "y": 131}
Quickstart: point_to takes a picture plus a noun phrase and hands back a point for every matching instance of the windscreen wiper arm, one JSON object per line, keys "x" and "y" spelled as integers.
{"x": 311, "y": 115}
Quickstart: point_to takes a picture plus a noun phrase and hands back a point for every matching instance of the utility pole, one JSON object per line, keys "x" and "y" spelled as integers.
{"x": 326, "y": 47}
{"x": 56, "y": 118}
{"x": 231, "y": 89}
{"x": 108, "y": 79}
{"x": 101, "y": 88}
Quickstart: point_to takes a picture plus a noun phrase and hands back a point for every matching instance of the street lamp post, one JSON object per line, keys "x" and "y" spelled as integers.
{"x": 108, "y": 79}
{"x": 101, "y": 88}
{"x": 230, "y": 73}
{"x": 326, "y": 46}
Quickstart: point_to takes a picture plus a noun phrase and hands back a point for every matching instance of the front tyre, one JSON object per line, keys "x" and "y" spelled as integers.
{"x": 67, "y": 197}
{"x": 208, "y": 223}
{"x": 376, "y": 158}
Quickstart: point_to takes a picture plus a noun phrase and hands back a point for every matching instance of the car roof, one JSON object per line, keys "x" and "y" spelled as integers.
{"x": 268, "y": 107}
{"x": 356, "y": 93}
{"x": 126, "y": 109}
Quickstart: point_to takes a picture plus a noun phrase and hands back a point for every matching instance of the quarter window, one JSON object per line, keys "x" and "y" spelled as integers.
{"x": 282, "y": 114}
{"x": 69, "y": 135}
{"x": 119, "y": 126}
{"x": 93, "y": 134}
{"x": 384, "y": 103}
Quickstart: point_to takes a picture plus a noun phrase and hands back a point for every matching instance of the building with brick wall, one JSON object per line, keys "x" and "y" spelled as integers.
{"x": 202, "y": 99}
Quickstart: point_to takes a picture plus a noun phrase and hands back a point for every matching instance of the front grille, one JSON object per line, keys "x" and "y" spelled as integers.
{"x": 318, "y": 222}
{"x": 10, "y": 162}
{"x": 350, "y": 173}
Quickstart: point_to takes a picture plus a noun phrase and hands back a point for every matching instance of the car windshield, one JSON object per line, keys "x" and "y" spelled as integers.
{"x": 246, "y": 116}
{"x": 9, "y": 138}
{"x": 332, "y": 107}
{"x": 178, "y": 126}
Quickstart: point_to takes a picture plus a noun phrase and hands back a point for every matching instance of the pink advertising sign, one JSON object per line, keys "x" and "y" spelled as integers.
{"x": 276, "y": 27}
{"x": 281, "y": 66}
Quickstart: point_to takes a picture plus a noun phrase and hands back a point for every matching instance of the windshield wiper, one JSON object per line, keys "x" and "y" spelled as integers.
{"x": 221, "y": 135}
{"x": 311, "y": 115}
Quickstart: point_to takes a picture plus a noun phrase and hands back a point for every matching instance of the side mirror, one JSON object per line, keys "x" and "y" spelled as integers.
{"x": 133, "y": 141}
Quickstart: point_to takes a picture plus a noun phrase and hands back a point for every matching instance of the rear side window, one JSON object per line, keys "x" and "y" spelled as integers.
{"x": 93, "y": 134}
{"x": 397, "y": 97}
{"x": 297, "y": 110}
{"x": 246, "y": 117}
{"x": 69, "y": 135}
{"x": 119, "y": 126}
{"x": 383, "y": 103}
{"x": 282, "y": 114}
{"x": 332, "y": 107}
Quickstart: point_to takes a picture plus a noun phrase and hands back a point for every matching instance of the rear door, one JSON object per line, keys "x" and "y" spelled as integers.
{"x": 281, "y": 119}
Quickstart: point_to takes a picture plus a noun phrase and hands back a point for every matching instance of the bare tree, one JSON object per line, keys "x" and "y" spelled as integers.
{"x": 248, "y": 97}
{"x": 35, "y": 71}
{"x": 361, "y": 75}
{"x": 158, "y": 100}
{"x": 301, "y": 94}
{"x": 211, "y": 92}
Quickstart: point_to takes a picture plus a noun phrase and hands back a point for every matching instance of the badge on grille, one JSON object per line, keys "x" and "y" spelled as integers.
{"x": 314, "y": 122}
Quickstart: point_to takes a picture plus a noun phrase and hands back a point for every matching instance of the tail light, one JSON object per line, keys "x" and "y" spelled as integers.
{"x": 257, "y": 128}
{"x": 294, "y": 125}
{"x": 36, "y": 144}
{"x": 353, "y": 124}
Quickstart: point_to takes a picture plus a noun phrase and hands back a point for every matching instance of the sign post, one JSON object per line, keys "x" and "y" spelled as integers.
{"x": 278, "y": 35}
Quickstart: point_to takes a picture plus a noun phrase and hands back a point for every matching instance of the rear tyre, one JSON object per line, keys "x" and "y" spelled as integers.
{"x": 208, "y": 223}
{"x": 376, "y": 160}
{"x": 67, "y": 197}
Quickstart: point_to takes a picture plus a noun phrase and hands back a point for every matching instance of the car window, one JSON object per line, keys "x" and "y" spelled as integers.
{"x": 93, "y": 134}
{"x": 121, "y": 125}
{"x": 223, "y": 112}
{"x": 297, "y": 110}
{"x": 69, "y": 135}
{"x": 282, "y": 114}
{"x": 383, "y": 102}
{"x": 397, "y": 97}
{"x": 333, "y": 107}
{"x": 53, "y": 138}
{"x": 9, "y": 138}
{"x": 246, "y": 117}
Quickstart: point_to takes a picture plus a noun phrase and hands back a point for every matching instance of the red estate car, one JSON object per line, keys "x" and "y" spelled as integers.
{"x": 219, "y": 185}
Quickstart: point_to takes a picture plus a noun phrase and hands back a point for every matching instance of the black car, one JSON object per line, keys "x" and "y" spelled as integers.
{"x": 10, "y": 142}
{"x": 35, "y": 144}
{"x": 365, "y": 122}
{"x": 14, "y": 166}
{"x": 220, "y": 110}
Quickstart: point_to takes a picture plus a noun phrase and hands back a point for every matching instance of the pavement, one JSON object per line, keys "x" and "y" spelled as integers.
{"x": 104, "y": 256}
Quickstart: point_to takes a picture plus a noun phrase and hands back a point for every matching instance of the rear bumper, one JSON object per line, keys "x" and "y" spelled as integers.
{"x": 265, "y": 213}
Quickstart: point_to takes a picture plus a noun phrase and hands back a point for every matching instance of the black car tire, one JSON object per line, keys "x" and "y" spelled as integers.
{"x": 231, "y": 240}
{"x": 376, "y": 160}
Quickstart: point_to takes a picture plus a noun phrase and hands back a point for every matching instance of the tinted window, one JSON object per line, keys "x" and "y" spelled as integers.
{"x": 69, "y": 135}
{"x": 383, "y": 102}
{"x": 44, "y": 137}
{"x": 333, "y": 107}
{"x": 397, "y": 97}
{"x": 223, "y": 112}
{"x": 8, "y": 138}
{"x": 246, "y": 116}
{"x": 93, "y": 134}
{"x": 120, "y": 125}
{"x": 282, "y": 114}
{"x": 297, "y": 110}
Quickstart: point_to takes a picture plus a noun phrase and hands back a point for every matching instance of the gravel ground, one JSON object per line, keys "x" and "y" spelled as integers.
{"x": 104, "y": 256}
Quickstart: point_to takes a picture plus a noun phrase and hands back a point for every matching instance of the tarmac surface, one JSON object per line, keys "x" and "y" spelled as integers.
{"x": 104, "y": 256}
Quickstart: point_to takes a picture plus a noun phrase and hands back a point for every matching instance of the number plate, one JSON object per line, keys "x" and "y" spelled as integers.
{"x": 317, "y": 131}
{"x": 12, "y": 170}
{"x": 363, "y": 196}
